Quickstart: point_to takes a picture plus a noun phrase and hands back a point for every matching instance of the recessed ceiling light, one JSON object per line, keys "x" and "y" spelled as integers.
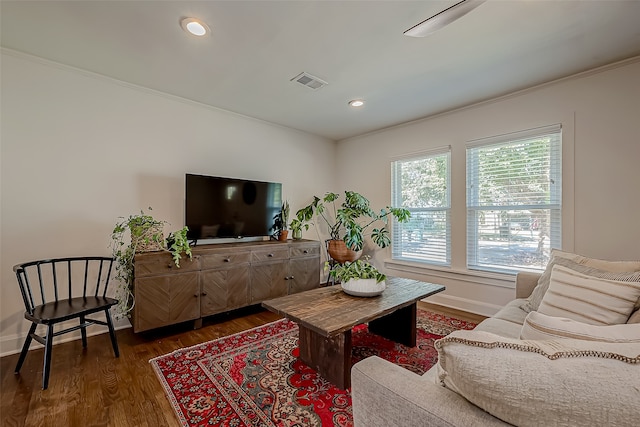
{"x": 356, "y": 102}
{"x": 194, "y": 26}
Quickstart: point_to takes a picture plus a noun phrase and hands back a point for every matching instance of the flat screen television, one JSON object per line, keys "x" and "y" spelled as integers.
{"x": 220, "y": 207}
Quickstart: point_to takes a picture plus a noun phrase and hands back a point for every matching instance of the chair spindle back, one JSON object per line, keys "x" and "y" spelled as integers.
{"x": 51, "y": 275}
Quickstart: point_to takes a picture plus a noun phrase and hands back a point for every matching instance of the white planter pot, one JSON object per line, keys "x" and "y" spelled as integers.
{"x": 363, "y": 287}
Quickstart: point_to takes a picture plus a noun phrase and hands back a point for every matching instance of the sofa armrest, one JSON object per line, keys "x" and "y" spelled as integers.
{"x": 386, "y": 395}
{"x": 525, "y": 283}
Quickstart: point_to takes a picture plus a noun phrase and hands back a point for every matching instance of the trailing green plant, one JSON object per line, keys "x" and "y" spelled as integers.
{"x": 350, "y": 219}
{"x": 178, "y": 244}
{"x": 358, "y": 269}
{"x": 145, "y": 232}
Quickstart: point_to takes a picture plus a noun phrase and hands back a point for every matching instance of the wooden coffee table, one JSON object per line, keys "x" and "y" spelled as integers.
{"x": 325, "y": 317}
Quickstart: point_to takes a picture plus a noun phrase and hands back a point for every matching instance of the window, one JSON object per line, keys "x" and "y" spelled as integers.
{"x": 514, "y": 200}
{"x": 421, "y": 184}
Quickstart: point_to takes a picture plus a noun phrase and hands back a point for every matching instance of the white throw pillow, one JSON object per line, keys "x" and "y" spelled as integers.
{"x": 538, "y": 326}
{"x": 543, "y": 383}
{"x": 601, "y": 264}
{"x": 615, "y": 270}
{"x": 589, "y": 299}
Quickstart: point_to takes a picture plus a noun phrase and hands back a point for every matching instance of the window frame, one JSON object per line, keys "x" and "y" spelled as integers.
{"x": 554, "y": 206}
{"x": 398, "y": 242}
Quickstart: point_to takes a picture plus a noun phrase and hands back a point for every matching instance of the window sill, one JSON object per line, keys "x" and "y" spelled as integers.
{"x": 503, "y": 280}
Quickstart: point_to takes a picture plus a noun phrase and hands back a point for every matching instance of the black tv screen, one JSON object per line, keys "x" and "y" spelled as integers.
{"x": 218, "y": 207}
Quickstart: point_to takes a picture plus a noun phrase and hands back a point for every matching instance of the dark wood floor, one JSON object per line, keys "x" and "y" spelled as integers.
{"x": 90, "y": 387}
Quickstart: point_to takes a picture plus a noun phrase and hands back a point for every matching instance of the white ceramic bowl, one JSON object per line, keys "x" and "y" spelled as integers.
{"x": 363, "y": 287}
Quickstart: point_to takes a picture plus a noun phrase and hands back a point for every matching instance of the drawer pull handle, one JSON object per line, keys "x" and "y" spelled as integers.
{"x": 196, "y": 296}
{"x": 286, "y": 278}
{"x": 305, "y": 251}
{"x": 290, "y": 277}
{"x": 204, "y": 294}
{"x": 169, "y": 266}
{"x": 270, "y": 255}
{"x": 227, "y": 260}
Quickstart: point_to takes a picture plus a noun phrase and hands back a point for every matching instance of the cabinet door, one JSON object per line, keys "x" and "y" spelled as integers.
{"x": 268, "y": 280}
{"x": 224, "y": 289}
{"x": 304, "y": 274}
{"x": 165, "y": 300}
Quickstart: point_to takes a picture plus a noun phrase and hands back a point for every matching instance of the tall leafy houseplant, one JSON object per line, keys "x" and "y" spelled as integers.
{"x": 353, "y": 219}
{"x": 280, "y": 222}
{"x": 146, "y": 235}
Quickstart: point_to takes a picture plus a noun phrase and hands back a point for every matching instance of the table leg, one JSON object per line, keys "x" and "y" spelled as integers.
{"x": 330, "y": 356}
{"x": 399, "y": 326}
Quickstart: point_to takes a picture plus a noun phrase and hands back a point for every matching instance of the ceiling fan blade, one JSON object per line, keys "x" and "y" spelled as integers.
{"x": 442, "y": 19}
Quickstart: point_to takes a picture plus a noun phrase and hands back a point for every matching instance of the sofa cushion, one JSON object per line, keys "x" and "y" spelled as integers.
{"x": 543, "y": 383}
{"x": 589, "y": 299}
{"x": 538, "y": 326}
{"x": 635, "y": 317}
{"x": 512, "y": 312}
{"x": 615, "y": 270}
{"x": 501, "y": 327}
{"x": 388, "y": 395}
{"x": 507, "y": 322}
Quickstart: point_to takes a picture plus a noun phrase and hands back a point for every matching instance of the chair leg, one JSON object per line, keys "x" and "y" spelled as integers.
{"x": 112, "y": 333}
{"x": 47, "y": 357}
{"x": 83, "y": 331}
{"x": 25, "y": 347}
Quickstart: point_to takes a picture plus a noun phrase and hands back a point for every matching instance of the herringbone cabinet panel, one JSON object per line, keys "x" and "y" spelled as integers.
{"x": 165, "y": 300}
{"x": 268, "y": 280}
{"x": 224, "y": 289}
{"x": 304, "y": 274}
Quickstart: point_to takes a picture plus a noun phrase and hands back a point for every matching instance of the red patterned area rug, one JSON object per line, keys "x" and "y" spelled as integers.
{"x": 255, "y": 379}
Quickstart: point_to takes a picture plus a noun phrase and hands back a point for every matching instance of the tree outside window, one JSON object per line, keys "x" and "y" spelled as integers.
{"x": 421, "y": 184}
{"x": 514, "y": 200}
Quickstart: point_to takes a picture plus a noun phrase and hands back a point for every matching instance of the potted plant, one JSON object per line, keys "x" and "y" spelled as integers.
{"x": 349, "y": 222}
{"x": 296, "y": 228}
{"x": 359, "y": 278}
{"x": 302, "y": 220}
{"x": 146, "y": 234}
{"x": 280, "y": 222}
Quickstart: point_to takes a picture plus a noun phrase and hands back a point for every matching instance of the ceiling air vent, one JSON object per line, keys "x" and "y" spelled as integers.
{"x": 309, "y": 81}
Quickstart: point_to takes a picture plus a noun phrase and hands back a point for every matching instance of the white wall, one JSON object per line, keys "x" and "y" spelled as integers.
{"x": 600, "y": 115}
{"x": 79, "y": 150}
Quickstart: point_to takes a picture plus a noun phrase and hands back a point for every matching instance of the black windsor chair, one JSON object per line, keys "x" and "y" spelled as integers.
{"x": 68, "y": 288}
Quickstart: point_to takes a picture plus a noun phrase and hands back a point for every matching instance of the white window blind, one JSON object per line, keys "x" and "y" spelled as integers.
{"x": 421, "y": 183}
{"x": 514, "y": 200}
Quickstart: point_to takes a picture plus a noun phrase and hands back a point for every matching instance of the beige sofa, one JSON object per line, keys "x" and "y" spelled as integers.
{"x": 386, "y": 395}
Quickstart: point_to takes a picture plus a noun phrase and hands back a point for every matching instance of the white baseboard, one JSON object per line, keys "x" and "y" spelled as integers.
{"x": 464, "y": 304}
{"x": 12, "y": 344}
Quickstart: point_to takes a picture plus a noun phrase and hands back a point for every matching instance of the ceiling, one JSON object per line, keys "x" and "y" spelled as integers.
{"x": 257, "y": 47}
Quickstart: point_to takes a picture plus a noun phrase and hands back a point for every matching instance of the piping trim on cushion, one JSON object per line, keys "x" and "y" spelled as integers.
{"x": 527, "y": 348}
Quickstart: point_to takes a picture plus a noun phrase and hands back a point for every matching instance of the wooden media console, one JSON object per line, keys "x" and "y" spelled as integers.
{"x": 219, "y": 278}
